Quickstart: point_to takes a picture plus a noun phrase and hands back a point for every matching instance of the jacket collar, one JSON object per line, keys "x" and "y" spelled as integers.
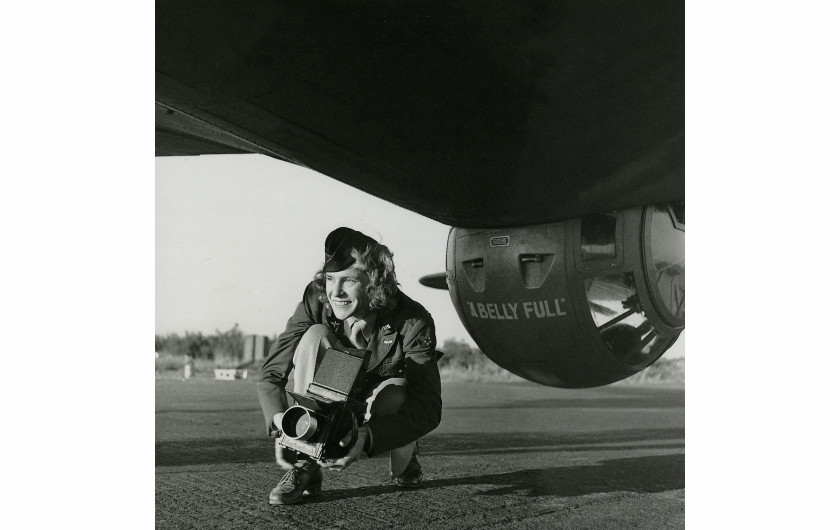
{"x": 334, "y": 323}
{"x": 385, "y": 338}
{"x": 381, "y": 344}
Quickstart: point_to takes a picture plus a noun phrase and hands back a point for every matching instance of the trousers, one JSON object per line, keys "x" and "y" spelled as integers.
{"x": 385, "y": 399}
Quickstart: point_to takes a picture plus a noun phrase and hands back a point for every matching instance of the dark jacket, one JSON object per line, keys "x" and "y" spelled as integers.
{"x": 402, "y": 345}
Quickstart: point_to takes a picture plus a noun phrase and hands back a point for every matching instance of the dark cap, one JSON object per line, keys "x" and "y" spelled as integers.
{"x": 339, "y": 245}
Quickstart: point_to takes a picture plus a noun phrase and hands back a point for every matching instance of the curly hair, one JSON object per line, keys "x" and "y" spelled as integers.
{"x": 378, "y": 263}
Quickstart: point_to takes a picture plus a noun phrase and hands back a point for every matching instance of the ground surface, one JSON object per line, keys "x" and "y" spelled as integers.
{"x": 505, "y": 456}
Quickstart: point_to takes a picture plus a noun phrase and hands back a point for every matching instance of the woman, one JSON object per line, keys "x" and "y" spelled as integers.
{"x": 355, "y": 301}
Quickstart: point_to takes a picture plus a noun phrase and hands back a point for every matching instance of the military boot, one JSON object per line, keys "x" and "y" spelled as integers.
{"x": 304, "y": 479}
{"x": 412, "y": 476}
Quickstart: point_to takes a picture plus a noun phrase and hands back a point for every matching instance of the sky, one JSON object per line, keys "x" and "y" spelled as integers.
{"x": 237, "y": 237}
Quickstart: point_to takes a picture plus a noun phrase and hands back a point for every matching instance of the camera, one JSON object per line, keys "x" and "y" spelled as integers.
{"x": 329, "y": 408}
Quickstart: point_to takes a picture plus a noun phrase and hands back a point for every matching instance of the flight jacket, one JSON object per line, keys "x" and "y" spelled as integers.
{"x": 402, "y": 345}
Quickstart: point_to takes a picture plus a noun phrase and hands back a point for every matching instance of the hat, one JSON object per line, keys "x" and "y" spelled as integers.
{"x": 339, "y": 245}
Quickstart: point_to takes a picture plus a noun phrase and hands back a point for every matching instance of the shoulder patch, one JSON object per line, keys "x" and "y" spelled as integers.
{"x": 425, "y": 340}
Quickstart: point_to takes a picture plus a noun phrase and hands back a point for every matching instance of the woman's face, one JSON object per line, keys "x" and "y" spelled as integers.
{"x": 346, "y": 292}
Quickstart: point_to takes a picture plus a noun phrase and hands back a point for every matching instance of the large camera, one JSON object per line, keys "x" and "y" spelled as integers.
{"x": 329, "y": 408}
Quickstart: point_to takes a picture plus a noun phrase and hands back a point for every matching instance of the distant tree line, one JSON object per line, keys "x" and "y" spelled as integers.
{"x": 221, "y": 345}
{"x": 460, "y": 356}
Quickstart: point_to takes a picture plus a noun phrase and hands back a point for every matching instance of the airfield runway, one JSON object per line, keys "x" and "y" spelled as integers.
{"x": 506, "y": 455}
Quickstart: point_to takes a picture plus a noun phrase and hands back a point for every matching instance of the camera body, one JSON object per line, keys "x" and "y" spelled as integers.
{"x": 329, "y": 408}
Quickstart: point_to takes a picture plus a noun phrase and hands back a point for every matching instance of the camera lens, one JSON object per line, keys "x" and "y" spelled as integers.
{"x": 302, "y": 425}
{"x": 299, "y": 423}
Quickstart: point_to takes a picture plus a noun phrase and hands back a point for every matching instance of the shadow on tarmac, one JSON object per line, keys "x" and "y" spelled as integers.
{"x": 260, "y": 450}
{"x": 644, "y": 474}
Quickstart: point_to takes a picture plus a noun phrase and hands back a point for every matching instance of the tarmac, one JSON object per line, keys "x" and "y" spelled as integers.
{"x": 506, "y": 455}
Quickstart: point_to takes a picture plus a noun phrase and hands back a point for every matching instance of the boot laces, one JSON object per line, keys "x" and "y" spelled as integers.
{"x": 290, "y": 478}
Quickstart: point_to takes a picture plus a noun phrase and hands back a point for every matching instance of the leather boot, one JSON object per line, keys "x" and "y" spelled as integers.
{"x": 412, "y": 477}
{"x": 304, "y": 479}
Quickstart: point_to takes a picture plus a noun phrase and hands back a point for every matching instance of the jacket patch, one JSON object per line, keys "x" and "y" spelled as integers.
{"x": 424, "y": 340}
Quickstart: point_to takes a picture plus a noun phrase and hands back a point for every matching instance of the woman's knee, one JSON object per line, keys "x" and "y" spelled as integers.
{"x": 315, "y": 338}
{"x": 388, "y": 400}
{"x": 316, "y": 332}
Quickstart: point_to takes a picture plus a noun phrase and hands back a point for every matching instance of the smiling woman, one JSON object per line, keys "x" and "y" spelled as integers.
{"x": 355, "y": 306}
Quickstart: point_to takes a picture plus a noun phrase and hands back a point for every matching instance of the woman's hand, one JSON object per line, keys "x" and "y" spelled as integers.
{"x": 354, "y": 454}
